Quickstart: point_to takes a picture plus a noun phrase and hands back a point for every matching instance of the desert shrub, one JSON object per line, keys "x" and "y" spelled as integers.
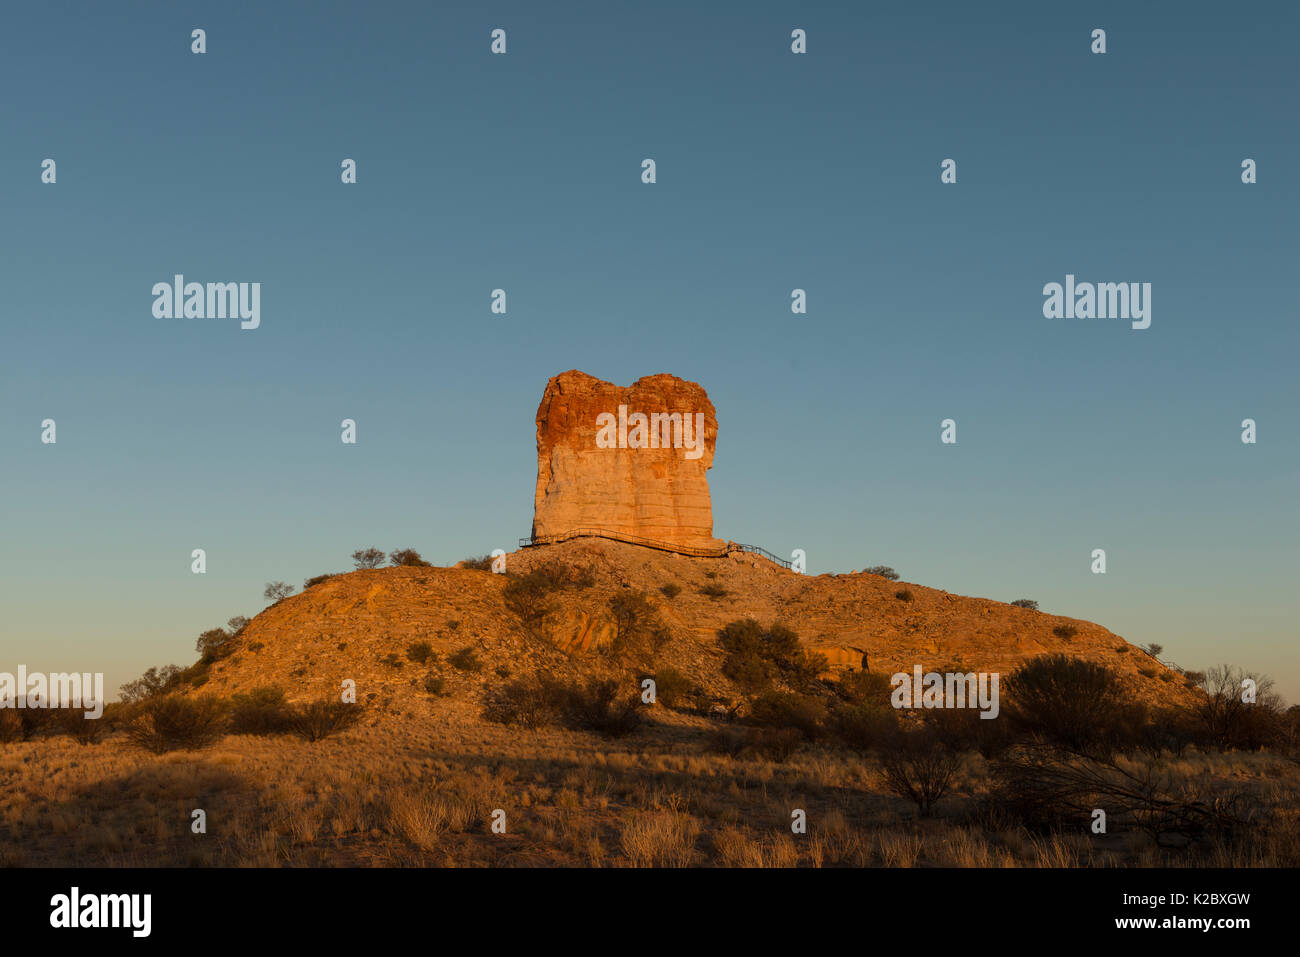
{"x": 1153, "y": 649}
{"x": 713, "y": 591}
{"x": 479, "y": 563}
{"x": 466, "y": 659}
{"x": 963, "y": 729}
{"x": 595, "y": 704}
{"x": 277, "y": 591}
{"x": 774, "y": 744}
{"x": 1167, "y": 676}
{"x": 671, "y": 590}
{"x": 1230, "y": 722}
{"x": 367, "y": 558}
{"x": 756, "y": 656}
{"x": 1148, "y": 672}
{"x": 236, "y": 625}
{"x": 601, "y": 705}
{"x": 639, "y": 634}
{"x": 1026, "y": 603}
{"x": 214, "y": 644}
{"x": 172, "y": 722}
{"x": 1071, "y": 702}
{"x": 862, "y": 687}
{"x": 673, "y": 687}
{"x": 884, "y": 571}
{"x": 310, "y": 582}
{"x": 865, "y": 726}
{"x": 530, "y": 597}
{"x": 503, "y": 671}
{"x": 920, "y": 768}
{"x": 435, "y": 684}
{"x": 407, "y": 557}
{"x": 255, "y": 646}
{"x": 259, "y": 711}
{"x": 11, "y": 726}
{"x": 904, "y": 594}
{"x": 780, "y": 709}
{"x": 74, "y": 723}
{"x": 392, "y": 660}
{"x": 452, "y": 624}
{"x": 529, "y": 702}
{"x": 1065, "y": 632}
{"x": 419, "y": 651}
{"x": 1043, "y": 788}
{"x": 1122, "y": 650}
{"x": 152, "y": 683}
{"x": 315, "y": 720}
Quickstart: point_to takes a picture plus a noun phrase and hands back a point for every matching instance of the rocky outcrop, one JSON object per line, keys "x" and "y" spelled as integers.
{"x": 632, "y": 460}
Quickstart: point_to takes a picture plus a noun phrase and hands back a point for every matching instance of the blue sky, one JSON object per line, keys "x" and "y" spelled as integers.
{"x": 775, "y": 171}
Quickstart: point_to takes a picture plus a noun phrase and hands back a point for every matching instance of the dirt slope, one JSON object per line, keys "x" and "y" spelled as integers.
{"x": 347, "y": 626}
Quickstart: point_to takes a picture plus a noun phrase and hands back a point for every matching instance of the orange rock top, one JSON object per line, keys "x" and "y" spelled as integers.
{"x": 632, "y": 460}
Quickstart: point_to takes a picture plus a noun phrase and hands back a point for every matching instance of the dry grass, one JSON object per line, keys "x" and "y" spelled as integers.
{"x": 418, "y": 787}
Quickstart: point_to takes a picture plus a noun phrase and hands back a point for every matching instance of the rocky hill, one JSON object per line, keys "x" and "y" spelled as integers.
{"x": 362, "y": 625}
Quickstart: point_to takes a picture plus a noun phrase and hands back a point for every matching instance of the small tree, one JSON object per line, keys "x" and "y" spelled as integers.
{"x": 151, "y": 684}
{"x": 409, "y": 557}
{"x": 211, "y": 642}
{"x": 920, "y": 767}
{"x": 367, "y": 558}
{"x": 236, "y": 625}
{"x": 277, "y": 591}
{"x": 884, "y": 571}
{"x": 1026, "y": 603}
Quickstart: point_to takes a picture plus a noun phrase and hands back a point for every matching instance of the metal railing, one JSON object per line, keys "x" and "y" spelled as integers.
{"x": 694, "y": 551}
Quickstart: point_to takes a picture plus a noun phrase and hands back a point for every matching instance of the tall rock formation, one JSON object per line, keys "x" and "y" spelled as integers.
{"x": 631, "y": 460}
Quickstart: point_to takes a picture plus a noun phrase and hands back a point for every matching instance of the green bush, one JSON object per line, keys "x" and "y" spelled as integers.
{"x": 904, "y": 594}
{"x": 419, "y": 652}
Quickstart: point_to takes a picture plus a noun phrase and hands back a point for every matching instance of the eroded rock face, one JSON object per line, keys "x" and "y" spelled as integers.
{"x": 631, "y": 460}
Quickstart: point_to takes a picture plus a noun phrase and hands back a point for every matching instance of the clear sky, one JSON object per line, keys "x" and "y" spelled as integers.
{"x": 775, "y": 171}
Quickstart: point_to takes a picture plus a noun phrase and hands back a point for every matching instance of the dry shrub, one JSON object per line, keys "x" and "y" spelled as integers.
{"x": 918, "y": 766}
{"x": 735, "y": 847}
{"x": 315, "y": 720}
{"x": 172, "y": 722}
{"x": 660, "y": 839}
{"x": 74, "y": 723}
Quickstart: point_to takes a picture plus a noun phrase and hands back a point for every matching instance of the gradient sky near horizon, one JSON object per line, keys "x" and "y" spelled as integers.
{"x": 775, "y": 171}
